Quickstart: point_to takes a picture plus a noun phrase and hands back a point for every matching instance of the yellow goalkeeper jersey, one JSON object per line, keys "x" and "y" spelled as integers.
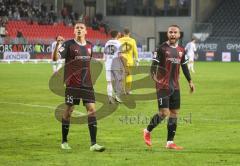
{"x": 129, "y": 49}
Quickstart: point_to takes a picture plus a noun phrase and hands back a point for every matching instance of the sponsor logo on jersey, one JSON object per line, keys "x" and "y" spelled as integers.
{"x": 82, "y": 57}
{"x": 174, "y": 60}
{"x": 89, "y": 50}
{"x": 180, "y": 54}
{"x": 167, "y": 53}
{"x": 61, "y": 49}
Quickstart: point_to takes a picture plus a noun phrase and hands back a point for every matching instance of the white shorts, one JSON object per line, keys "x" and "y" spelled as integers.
{"x": 191, "y": 57}
{"x": 112, "y": 75}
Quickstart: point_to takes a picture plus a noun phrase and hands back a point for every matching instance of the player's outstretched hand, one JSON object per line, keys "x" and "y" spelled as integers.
{"x": 192, "y": 87}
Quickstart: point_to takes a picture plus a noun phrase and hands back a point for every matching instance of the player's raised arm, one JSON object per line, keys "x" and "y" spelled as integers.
{"x": 55, "y": 52}
{"x": 56, "y": 46}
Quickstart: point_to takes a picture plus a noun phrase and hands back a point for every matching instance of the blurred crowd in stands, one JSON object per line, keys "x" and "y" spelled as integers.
{"x": 43, "y": 14}
{"x": 27, "y": 10}
{"x": 99, "y": 22}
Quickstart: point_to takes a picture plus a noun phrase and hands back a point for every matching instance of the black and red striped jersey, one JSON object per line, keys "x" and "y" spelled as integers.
{"x": 166, "y": 64}
{"x": 77, "y": 63}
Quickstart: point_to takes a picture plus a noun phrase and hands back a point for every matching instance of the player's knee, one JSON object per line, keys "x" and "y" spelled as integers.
{"x": 69, "y": 109}
{"x": 164, "y": 112}
{"x": 91, "y": 112}
{"x": 173, "y": 113}
{"x": 67, "y": 112}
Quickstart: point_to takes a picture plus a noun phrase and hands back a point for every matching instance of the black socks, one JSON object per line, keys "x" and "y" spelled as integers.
{"x": 92, "y": 126}
{"x": 156, "y": 119}
{"x": 65, "y": 129}
{"x": 171, "y": 126}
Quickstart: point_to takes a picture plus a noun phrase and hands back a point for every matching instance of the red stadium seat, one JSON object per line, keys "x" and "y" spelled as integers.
{"x": 35, "y": 31}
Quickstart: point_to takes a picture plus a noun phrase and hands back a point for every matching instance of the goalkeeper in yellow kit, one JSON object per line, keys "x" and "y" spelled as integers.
{"x": 130, "y": 54}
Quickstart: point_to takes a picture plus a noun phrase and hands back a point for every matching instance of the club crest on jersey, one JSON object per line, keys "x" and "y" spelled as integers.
{"x": 180, "y": 54}
{"x": 61, "y": 49}
{"x": 89, "y": 50}
{"x": 167, "y": 53}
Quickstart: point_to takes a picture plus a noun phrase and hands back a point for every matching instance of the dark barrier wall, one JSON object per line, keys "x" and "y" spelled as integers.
{"x": 219, "y": 49}
{"x": 210, "y": 50}
{"x": 36, "y": 51}
{"x": 31, "y": 48}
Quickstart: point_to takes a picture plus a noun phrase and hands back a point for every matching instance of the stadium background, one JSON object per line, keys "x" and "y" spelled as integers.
{"x": 30, "y": 26}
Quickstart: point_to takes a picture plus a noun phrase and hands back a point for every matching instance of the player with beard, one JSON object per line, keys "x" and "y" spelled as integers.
{"x": 165, "y": 72}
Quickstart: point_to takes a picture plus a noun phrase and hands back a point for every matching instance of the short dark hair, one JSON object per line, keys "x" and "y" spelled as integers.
{"x": 176, "y": 26}
{"x": 79, "y": 22}
{"x": 57, "y": 36}
{"x": 194, "y": 38}
{"x": 126, "y": 31}
{"x": 114, "y": 33}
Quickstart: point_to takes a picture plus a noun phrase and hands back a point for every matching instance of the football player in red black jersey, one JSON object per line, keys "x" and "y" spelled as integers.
{"x": 165, "y": 72}
{"x": 77, "y": 54}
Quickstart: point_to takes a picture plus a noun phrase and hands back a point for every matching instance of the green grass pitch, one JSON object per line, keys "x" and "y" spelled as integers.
{"x": 208, "y": 127}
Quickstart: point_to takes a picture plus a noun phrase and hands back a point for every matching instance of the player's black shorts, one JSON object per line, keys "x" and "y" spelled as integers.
{"x": 168, "y": 99}
{"x": 73, "y": 95}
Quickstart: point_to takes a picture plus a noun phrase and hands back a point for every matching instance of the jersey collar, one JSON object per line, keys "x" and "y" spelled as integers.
{"x": 176, "y": 45}
{"x": 80, "y": 44}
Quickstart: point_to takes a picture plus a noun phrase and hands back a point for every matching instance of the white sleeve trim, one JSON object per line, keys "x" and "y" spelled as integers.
{"x": 186, "y": 61}
{"x": 156, "y": 60}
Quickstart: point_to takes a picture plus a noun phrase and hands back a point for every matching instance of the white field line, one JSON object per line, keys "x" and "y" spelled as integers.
{"x": 77, "y": 113}
{"x": 38, "y": 106}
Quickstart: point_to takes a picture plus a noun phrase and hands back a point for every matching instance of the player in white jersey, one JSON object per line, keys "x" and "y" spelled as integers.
{"x": 114, "y": 68}
{"x": 56, "y": 62}
{"x": 190, "y": 53}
